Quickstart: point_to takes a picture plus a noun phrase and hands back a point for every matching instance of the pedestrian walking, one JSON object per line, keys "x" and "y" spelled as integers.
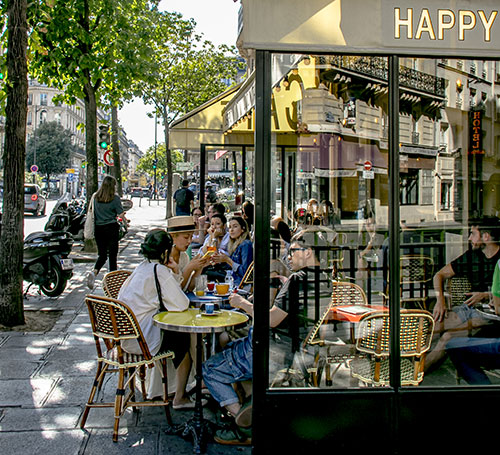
{"x": 184, "y": 200}
{"x": 107, "y": 207}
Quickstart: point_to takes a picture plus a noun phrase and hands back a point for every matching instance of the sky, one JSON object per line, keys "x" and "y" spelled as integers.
{"x": 218, "y": 21}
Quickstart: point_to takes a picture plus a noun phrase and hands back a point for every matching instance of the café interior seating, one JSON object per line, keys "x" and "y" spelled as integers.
{"x": 416, "y": 331}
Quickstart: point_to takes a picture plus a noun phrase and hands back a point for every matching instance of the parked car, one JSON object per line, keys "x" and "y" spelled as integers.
{"x": 136, "y": 192}
{"x": 35, "y": 200}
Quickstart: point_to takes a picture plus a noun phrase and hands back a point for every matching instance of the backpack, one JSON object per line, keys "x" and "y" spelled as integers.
{"x": 181, "y": 197}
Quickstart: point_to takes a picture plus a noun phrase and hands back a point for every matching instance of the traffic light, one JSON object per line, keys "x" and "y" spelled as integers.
{"x": 104, "y": 138}
{"x": 155, "y": 163}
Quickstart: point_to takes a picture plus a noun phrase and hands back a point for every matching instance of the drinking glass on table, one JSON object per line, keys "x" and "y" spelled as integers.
{"x": 200, "y": 284}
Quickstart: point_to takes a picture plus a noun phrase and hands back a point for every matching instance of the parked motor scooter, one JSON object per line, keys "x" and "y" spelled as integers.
{"x": 46, "y": 262}
{"x": 68, "y": 215}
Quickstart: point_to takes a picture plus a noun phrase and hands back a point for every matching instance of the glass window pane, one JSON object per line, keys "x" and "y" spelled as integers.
{"x": 449, "y": 196}
{"x": 329, "y": 319}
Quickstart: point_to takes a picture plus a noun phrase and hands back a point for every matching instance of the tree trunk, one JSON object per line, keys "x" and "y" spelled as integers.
{"x": 116, "y": 170}
{"x": 170, "y": 171}
{"x": 11, "y": 235}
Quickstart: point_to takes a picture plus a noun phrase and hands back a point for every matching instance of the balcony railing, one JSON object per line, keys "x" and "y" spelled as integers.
{"x": 377, "y": 67}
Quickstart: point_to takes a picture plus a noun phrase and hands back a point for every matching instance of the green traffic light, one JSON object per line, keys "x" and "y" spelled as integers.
{"x": 103, "y": 145}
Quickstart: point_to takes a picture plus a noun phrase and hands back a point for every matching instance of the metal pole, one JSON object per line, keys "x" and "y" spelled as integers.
{"x": 155, "y": 160}
{"x": 34, "y": 144}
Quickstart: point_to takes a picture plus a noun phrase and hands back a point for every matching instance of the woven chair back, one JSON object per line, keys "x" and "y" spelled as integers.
{"x": 416, "y": 268}
{"x": 416, "y": 331}
{"x": 248, "y": 277}
{"x": 113, "y": 281}
{"x": 343, "y": 293}
{"x": 113, "y": 320}
{"x": 458, "y": 287}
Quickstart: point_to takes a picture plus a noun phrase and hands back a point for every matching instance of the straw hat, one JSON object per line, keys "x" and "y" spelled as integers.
{"x": 178, "y": 224}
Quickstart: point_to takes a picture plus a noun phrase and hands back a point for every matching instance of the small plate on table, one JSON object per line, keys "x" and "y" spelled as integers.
{"x": 222, "y": 295}
{"x": 215, "y": 313}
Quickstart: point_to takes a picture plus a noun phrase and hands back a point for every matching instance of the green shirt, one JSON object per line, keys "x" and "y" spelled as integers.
{"x": 495, "y": 288}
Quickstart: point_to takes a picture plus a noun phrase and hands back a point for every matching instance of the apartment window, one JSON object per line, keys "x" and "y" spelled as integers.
{"x": 29, "y": 119}
{"x": 30, "y": 99}
{"x": 446, "y": 195}
{"x": 409, "y": 187}
{"x": 57, "y": 117}
{"x": 43, "y": 99}
{"x": 427, "y": 186}
{"x": 43, "y": 116}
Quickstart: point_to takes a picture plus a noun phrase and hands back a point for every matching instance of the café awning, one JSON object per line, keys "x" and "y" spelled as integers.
{"x": 201, "y": 125}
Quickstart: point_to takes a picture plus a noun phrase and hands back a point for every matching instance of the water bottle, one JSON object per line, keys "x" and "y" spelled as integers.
{"x": 230, "y": 280}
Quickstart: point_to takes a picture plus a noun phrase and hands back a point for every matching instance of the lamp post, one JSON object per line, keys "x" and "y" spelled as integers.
{"x": 34, "y": 142}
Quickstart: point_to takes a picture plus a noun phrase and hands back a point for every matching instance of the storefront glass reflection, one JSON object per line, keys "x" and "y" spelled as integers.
{"x": 330, "y": 201}
{"x": 329, "y": 231}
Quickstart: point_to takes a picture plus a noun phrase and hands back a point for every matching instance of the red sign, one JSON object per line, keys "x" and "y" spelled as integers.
{"x": 368, "y": 165}
{"x": 108, "y": 158}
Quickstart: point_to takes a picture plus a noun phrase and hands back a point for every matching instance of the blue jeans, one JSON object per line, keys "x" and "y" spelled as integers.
{"x": 232, "y": 365}
{"x": 471, "y": 355}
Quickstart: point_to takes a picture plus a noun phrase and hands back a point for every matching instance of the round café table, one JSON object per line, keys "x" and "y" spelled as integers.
{"x": 192, "y": 321}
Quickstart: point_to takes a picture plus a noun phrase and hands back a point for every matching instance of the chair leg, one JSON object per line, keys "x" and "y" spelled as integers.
{"x": 165, "y": 390}
{"x": 120, "y": 392}
{"x": 99, "y": 377}
{"x": 142, "y": 378}
{"x": 132, "y": 372}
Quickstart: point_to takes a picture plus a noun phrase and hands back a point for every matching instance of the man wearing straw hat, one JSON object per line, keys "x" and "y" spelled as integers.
{"x": 182, "y": 228}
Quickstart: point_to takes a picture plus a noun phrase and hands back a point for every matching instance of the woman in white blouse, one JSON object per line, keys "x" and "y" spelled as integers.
{"x": 141, "y": 294}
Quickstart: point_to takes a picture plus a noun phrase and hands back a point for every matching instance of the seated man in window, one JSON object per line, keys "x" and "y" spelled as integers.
{"x": 234, "y": 364}
{"x": 477, "y": 264}
{"x": 471, "y": 355}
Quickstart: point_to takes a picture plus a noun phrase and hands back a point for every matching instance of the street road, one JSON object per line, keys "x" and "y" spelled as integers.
{"x": 37, "y": 223}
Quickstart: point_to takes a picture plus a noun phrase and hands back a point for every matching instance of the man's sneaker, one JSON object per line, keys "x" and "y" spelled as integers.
{"x": 91, "y": 280}
{"x": 234, "y": 436}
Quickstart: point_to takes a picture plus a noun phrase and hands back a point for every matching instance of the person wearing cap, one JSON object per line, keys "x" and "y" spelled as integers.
{"x": 211, "y": 196}
{"x": 182, "y": 228}
{"x": 141, "y": 293}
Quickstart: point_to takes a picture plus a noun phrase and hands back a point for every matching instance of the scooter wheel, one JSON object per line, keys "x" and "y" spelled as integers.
{"x": 55, "y": 283}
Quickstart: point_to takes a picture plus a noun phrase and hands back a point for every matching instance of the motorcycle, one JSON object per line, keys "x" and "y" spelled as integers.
{"x": 122, "y": 227}
{"x": 68, "y": 215}
{"x": 46, "y": 262}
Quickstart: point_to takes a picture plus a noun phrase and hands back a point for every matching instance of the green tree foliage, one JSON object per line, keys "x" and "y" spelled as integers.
{"x": 146, "y": 162}
{"x": 53, "y": 146}
{"x": 185, "y": 72}
{"x": 91, "y": 49}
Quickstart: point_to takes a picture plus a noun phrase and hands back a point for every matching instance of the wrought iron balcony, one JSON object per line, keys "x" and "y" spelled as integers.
{"x": 377, "y": 67}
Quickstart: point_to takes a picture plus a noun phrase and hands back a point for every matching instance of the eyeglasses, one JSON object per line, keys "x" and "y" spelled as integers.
{"x": 291, "y": 251}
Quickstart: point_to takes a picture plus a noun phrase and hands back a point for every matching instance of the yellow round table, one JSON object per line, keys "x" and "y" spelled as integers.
{"x": 193, "y": 321}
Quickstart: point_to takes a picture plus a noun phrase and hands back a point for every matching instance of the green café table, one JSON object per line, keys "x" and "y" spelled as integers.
{"x": 192, "y": 321}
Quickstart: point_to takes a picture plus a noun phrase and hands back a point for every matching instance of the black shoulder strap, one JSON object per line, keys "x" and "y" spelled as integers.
{"x": 158, "y": 289}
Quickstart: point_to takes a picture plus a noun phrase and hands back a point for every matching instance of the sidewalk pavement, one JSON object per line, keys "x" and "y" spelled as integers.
{"x": 45, "y": 380}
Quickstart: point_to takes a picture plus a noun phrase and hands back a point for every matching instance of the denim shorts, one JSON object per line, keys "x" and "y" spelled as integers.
{"x": 466, "y": 313}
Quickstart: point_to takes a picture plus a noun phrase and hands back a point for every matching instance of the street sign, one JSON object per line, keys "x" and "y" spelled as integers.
{"x": 34, "y": 168}
{"x": 368, "y": 175}
{"x": 70, "y": 177}
{"x": 108, "y": 158}
{"x": 368, "y": 165}
{"x": 184, "y": 167}
{"x": 70, "y": 171}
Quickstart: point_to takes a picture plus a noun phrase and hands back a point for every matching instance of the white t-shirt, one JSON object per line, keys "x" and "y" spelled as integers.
{"x": 140, "y": 294}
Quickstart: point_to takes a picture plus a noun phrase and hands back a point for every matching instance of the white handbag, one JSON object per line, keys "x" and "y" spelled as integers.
{"x": 89, "y": 228}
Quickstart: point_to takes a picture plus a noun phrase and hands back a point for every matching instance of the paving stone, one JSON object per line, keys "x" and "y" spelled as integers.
{"x": 13, "y": 369}
{"x": 26, "y": 354}
{"x": 76, "y": 339}
{"x": 75, "y": 391}
{"x": 34, "y": 341}
{"x": 130, "y": 441}
{"x": 42, "y": 442}
{"x": 25, "y": 419}
{"x": 68, "y": 367}
{"x": 63, "y": 353}
{"x": 24, "y": 392}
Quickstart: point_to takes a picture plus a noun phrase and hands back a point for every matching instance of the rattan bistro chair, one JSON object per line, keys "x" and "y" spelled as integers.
{"x": 247, "y": 280}
{"x": 113, "y": 321}
{"x": 343, "y": 293}
{"x": 416, "y": 331}
{"x": 113, "y": 281}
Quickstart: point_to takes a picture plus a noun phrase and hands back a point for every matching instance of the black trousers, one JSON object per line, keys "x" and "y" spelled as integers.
{"x": 106, "y": 237}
